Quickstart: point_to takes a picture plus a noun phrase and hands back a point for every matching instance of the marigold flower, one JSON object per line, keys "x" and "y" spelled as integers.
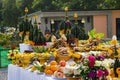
{"x": 118, "y": 70}
{"x": 114, "y": 42}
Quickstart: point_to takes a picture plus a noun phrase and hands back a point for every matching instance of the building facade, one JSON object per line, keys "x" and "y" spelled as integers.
{"x": 105, "y": 21}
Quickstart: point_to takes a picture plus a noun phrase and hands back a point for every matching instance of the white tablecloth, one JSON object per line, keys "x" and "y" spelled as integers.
{"x": 18, "y": 73}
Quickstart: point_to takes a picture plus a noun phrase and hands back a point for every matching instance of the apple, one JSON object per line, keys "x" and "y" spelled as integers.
{"x": 60, "y": 75}
{"x": 62, "y": 63}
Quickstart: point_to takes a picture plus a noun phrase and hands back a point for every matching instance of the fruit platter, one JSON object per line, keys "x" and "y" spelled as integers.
{"x": 67, "y": 57}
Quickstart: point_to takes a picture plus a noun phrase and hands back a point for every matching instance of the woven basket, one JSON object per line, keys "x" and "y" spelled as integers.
{"x": 61, "y": 57}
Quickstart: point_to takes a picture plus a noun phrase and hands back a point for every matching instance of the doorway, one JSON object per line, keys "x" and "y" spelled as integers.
{"x": 118, "y": 28}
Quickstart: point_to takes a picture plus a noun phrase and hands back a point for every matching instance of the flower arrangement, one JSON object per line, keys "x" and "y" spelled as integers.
{"x": 23, "y": 60}
{"x": 94, "y": 67}
{"x": 12, "y": 53}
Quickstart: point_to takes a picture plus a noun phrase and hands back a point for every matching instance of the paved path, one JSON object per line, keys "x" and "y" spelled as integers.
{"x": 3, "y": 73}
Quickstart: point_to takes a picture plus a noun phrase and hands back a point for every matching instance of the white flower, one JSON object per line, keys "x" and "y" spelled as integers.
{"x": 107, "y": 62}
{"x": 68, "y": 70}
{"x": 98, "y": 63}
{"x": 77, "y": 71}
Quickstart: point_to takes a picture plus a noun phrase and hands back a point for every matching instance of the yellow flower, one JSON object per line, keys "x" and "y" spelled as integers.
{"x": 76, "y": 55}
{"x": 18, "y": 55}
{"x": 31, "y": 42}
{"x": 38, "y": 55}
{"x": 93, "y": 48}
{"x": 114, "y": 42}
{"x": 55, "y": 53}
{"x": 110, "y": 51}
{"x": 13, "y": 61}
{"x": 104, "y": 49}
{"x": 118, "y": 71}
{"x": 32, "y": 55}
{"x": 87, "y": 49}
{"x": 118, "y": 50}
{"x": 45, "y": 55}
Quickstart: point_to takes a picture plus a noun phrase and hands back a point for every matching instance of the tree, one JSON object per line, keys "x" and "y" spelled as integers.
{"x": 21, "y": 4}
{"x": 75, "y": 5}
{"x": 0, "y": 10}
{"x": 47, "y": 5}
{"x": 108, "y": 4}
{"x": 10, "y": 13}
{"x": 117, "y": 4}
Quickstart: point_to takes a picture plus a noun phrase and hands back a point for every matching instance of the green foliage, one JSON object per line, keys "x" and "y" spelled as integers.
{"x": 46, "y": 5}
{"x": 93, "y": 34}
{"x": 0, "y": 9}
{"x": 10, "y": 13}
{"x": 78, "y": 4}
{"x": 5, "y": 39}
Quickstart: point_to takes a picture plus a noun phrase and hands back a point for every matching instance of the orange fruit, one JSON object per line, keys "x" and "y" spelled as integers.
{"x": 49, "y": 72}
{"x": 47, "y": 67}
{"x": 53, "y": 68}
{"x": 53, "y": 63}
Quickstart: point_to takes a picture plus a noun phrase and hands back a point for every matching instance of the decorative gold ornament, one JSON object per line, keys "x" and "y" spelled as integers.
{"x": 75, "y": 15}
{"x": 35, "y": 16}
{"x": 26, "y": 10}
{"x": 52, "y": 21}
{"x": 66, "y": 9}
{"x": 83, "y": 20}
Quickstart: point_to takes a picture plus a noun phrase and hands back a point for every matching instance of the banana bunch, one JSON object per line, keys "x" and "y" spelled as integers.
{"x": 39, "y": 67}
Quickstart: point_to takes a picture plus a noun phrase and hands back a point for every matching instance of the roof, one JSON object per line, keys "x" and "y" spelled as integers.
{"x": 78, "y": 10}
{"x": 47, "y": 13}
